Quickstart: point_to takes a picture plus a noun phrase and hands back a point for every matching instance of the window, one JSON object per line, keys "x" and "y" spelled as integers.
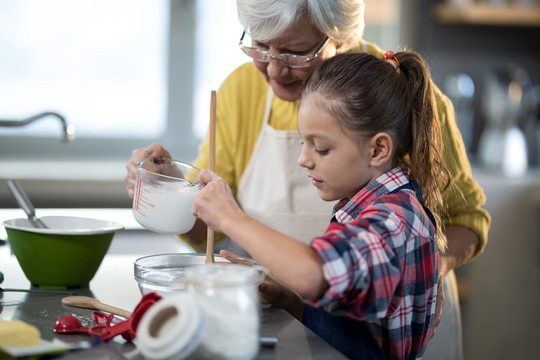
{"x": 124, "y": 73}
{"x": 101, "y": 64}
{"x": 217, "y": 53}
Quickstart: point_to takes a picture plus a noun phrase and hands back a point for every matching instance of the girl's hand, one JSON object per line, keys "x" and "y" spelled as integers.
{"x": 215, "y": 203}
{"x": 236, "y": 259}
{"x": 273, "y": 292}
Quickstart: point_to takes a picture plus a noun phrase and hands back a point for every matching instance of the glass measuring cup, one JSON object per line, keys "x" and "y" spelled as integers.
{"x": 164, "y": 194}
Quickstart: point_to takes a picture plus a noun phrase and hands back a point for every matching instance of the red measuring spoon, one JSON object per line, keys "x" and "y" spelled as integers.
{"x": 128, "y": 328}
{"x": 70, "y": 324}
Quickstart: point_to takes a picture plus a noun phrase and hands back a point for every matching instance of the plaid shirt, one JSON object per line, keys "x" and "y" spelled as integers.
{"x": 381, "y": 261}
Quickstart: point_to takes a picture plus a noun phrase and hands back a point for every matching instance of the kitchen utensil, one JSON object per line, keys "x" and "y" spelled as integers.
{"x": 104, "y": 329}
{"x": 24, "y": 203}
{"x": 460, "y": 89}
{"x": 503, "y": 145}
{"x": 67, "y": 254}
{"x": 164, "y": 273}
{"x": 91, "y": 303}
{"x": 268, "y": 341}
{"x": 69, "y": 324}
{"x": 212, "y": 163}
{"x": 164, "y": 194}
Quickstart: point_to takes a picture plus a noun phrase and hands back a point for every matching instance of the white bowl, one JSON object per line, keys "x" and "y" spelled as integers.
{"x": 66, "y": 225}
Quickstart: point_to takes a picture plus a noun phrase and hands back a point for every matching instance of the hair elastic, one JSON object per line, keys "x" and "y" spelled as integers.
{"x": 391, "y": 59}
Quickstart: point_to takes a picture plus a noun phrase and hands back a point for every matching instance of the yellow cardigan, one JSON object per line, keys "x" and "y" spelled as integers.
{"x": 241, "y": 103}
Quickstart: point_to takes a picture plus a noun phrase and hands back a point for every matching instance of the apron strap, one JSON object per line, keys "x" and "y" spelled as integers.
{"x": 413, "y": 185}
{"x": 364, "y": 46}
{"x": 268, "y": 106}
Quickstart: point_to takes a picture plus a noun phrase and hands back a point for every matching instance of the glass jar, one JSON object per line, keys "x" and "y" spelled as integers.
{"x": 228, "y": 294}
{"x": 218, "y": 317}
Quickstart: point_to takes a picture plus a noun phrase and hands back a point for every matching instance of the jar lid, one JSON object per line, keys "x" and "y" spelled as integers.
{"x": 172, "y": 328}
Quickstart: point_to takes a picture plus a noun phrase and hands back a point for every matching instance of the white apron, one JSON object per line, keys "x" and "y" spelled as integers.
{"x": 447, "y": 344}
{"x": 275, "y": 190}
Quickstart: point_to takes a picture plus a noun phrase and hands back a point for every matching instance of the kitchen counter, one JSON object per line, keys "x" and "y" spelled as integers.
{"x": 114, "y": 284}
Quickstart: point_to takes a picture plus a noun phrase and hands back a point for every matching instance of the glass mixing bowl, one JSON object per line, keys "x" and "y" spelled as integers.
{"x": 164, "y": 273}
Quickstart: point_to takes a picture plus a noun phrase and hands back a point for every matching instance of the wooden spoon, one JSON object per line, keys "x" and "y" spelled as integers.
{"x": 91, "y": 303}
{"x": 212, "y": 164}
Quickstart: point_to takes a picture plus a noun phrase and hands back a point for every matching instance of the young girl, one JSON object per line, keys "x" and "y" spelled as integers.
{"x": 371, "y": 140}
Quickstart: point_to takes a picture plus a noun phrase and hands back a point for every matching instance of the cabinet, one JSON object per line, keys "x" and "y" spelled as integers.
{"x": 486, "y": 14}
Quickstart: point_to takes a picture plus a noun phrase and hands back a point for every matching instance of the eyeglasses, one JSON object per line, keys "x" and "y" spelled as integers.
{"x": 289, "y": 60}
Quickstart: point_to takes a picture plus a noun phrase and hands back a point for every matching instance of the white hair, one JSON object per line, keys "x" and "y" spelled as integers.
{"x": 341, "y": 20}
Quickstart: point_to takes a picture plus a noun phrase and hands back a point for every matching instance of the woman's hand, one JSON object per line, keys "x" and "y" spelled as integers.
{"x": 462, "y": 244}
{"x": 215, "y": 203}
{"x": 439, "y": 304}
{"x": 155, "y": 150}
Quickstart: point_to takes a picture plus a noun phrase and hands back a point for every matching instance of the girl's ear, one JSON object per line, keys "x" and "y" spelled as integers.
{"x": 382, "y": 148}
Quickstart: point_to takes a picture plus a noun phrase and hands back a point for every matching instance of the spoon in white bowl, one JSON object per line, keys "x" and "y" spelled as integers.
{"x": 25, "y": 203}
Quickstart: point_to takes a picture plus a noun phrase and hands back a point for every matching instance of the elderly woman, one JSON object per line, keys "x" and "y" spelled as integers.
{"x": 258, "y": 142}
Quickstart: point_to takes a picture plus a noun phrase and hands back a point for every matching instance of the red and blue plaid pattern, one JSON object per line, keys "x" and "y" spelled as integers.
{"x": 381, "y": 260}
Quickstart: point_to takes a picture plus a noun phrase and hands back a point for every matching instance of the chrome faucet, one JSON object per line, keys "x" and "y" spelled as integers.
{"x": 68, "y": 130}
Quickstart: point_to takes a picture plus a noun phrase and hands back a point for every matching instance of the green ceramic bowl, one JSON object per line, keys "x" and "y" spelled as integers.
{"x": 66, "y": 254}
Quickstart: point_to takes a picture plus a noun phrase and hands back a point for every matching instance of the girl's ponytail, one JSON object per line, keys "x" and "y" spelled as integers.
{"x": 425, "y": 154}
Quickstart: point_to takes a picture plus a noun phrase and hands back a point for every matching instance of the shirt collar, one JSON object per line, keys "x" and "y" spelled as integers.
{"x": 346, "y": 210}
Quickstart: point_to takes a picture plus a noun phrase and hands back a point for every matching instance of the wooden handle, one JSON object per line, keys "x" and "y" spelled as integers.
{"x": 212, "y": 166}
{"x": 115, "y": 310}
{"x": 212, "y": 132}
{"x": 91, "y": 303}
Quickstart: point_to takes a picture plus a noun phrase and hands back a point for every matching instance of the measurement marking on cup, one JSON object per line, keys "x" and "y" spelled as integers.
{"x": 138, "y": 194}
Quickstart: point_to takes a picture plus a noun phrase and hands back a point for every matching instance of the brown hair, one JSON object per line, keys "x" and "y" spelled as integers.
{"x": 368, "y": 96}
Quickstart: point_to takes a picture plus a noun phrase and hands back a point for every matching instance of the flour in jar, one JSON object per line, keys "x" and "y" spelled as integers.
{"x": 232, "y": 328}
{"x": 229, "y": 298}
{"x": 165, "y": 208}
